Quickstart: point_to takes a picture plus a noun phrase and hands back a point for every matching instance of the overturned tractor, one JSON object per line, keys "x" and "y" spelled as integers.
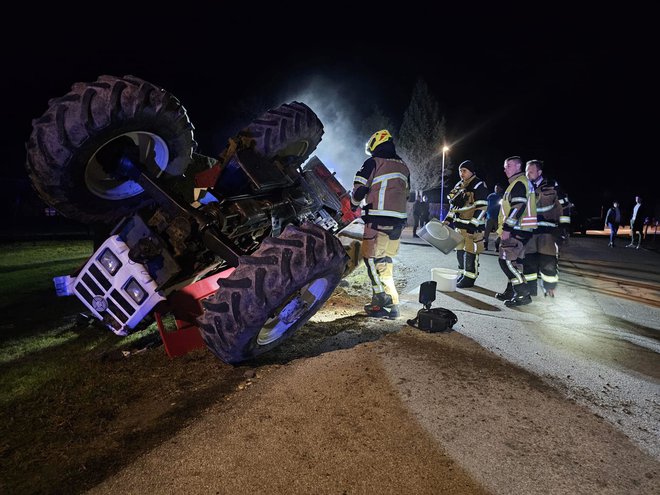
{"x": 241, "y": 250}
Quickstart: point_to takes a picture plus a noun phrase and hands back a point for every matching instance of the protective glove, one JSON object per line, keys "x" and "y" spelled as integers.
{"x": 458, "y": 200}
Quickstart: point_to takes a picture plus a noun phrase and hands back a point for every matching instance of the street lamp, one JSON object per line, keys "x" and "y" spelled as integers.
{"x": 445, "y": 149}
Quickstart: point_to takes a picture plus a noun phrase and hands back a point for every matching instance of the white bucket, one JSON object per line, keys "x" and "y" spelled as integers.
{"x": 445, "y": 279}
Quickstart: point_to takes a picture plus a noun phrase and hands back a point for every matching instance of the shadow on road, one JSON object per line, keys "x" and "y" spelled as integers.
{"x": 473, "y": 301}
{"x": 320, "y": 337}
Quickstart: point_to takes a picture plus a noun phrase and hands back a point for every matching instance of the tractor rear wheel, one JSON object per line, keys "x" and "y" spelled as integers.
{"x": 68, "y": 148}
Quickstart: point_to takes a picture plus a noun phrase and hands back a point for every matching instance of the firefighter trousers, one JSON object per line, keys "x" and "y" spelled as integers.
{"x": 512, "y": 254}
{"x": 541, "y": 259}
{"x": 379, "y": 246}
{"x": 467, "y": 253}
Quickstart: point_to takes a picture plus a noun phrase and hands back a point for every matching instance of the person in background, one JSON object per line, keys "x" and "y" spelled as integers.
{"x": 420, "y": 213}
{"x": 542, "y": 250}
{"x": 467, "y": 215}
{"x": 492, "y": 213}
{"x": 382, "y": 184}
{"x": 613, "y": 221}
{"x": 636, "y": 223}
{"x": 516, "y": 225}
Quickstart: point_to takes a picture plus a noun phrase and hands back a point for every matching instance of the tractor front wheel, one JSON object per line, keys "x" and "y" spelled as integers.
{"x": 272, "y": 293}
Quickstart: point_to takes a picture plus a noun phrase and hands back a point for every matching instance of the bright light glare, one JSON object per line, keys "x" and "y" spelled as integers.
{"x": 109, "y": 261}
{"x": 134, "y": 290}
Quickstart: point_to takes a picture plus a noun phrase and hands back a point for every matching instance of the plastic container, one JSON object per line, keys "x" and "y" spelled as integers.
{"x": 445, "y": 279}
{"x": 441, "y": 237}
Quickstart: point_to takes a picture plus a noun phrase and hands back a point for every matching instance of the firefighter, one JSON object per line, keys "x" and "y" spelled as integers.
{"x": 542, "y": 250}
{"x": 382, "y": 186}
{"x": 467, "y": 215}
{"x": 517, "y": 221}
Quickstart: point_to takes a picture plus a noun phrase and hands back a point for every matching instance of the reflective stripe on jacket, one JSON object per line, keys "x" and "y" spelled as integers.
{"x": 469, "y": 201}
{"x": 388, "y": 188}
{"x": 518, "y": 213}
{"x": 548, "y": 208}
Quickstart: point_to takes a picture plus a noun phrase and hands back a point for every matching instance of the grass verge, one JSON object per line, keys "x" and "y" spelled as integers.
{"x": 78, "y": 402}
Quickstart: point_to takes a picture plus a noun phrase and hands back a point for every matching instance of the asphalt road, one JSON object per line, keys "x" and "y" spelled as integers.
{"x": 598, "y": 340}
{"x": 560, "y": 396}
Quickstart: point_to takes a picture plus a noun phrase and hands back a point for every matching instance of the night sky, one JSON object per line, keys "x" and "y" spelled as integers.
{"x": 573, "y": 89}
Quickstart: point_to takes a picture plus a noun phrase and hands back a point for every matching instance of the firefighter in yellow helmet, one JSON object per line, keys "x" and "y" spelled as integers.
{"x": 382, "y": 186}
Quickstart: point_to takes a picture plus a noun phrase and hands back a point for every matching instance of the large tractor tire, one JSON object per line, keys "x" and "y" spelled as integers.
{"x": 272, "y": 293}
{"x": 291, "y": 130}
{"x": 287, "y": 134}
{"x": 69, "y": 145}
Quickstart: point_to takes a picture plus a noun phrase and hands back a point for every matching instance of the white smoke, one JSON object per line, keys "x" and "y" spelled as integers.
{"x": 342, "y": 147}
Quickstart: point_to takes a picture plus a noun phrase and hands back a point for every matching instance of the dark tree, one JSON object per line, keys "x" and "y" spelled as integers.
{"x": 376, "y": 121}
{"x": 421, "y": 138}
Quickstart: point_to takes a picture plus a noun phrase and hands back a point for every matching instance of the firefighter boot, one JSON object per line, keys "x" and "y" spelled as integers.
{"x": 465, "y": 282}
{"x": 507, "y": 294}
{"x": 378, "y": 301}
{"x": 520, "y": 298}
{"x": 470, "y": 272}
{"x": 390, "y": 312}
{"x": 460, "y": 257}
{"x": 548, "y": 290}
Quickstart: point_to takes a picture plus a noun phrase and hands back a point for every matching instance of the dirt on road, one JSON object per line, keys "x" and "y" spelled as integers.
{"x": 406, "y": 412}
{"x": 347, "y": 405}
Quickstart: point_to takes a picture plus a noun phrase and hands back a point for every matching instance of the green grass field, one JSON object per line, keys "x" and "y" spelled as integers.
{"x": 78, "y": 401}
{"x": 35, "y": 318}
{"x": 28, "y": 301}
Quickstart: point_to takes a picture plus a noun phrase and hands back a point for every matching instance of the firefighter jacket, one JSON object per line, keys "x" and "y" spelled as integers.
{"x": 552, "y": 206}
{"x": 468, "y": 202}
{"x": 548, "y": 207}
{"x": 384, "y": 184}
{"x": 518, "y": 211}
